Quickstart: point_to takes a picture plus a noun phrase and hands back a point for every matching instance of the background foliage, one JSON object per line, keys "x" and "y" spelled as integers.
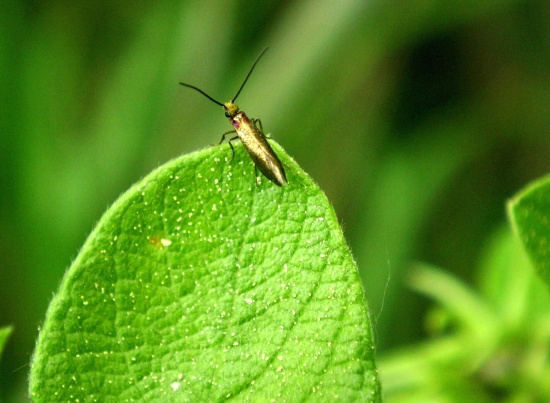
{"x": 418, "y": 118}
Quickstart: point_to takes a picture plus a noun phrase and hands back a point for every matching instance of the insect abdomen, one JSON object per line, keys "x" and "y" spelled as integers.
{"x": 259, "y": 149}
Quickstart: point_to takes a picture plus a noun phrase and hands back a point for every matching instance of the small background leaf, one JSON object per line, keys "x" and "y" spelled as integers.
{"x": 199, "y": 284}
{"x": 4, "y": 334}
{"x": 530, "y": 215}
{"x": 488, "y": 341}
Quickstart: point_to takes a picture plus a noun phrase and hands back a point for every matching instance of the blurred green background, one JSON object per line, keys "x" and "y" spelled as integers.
{"x": 418, "y": 118}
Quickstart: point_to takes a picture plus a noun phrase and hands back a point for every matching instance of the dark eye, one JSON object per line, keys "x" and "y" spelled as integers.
{"x": 227, "y": 114}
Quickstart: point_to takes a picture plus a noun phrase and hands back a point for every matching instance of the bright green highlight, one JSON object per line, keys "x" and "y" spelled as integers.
{"x": 199, "y": 284}
{"x": 529, "y": 212}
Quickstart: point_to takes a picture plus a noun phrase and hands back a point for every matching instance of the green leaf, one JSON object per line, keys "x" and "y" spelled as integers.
{"x": 529, "y": 212}
{"x": 199, "y": 284}
{"x": 4, "y": 335}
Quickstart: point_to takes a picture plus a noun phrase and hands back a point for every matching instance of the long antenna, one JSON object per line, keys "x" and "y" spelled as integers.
{"x": 238, "y": 92}
{"x": 203, "y": 93}
{"x": 246, "y": 79}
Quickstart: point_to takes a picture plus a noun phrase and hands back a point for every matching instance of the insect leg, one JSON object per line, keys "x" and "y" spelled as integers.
{"x": 231, "y": 145}
{"x": 259, "y": 122}
{"x": 225, "y": 134}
